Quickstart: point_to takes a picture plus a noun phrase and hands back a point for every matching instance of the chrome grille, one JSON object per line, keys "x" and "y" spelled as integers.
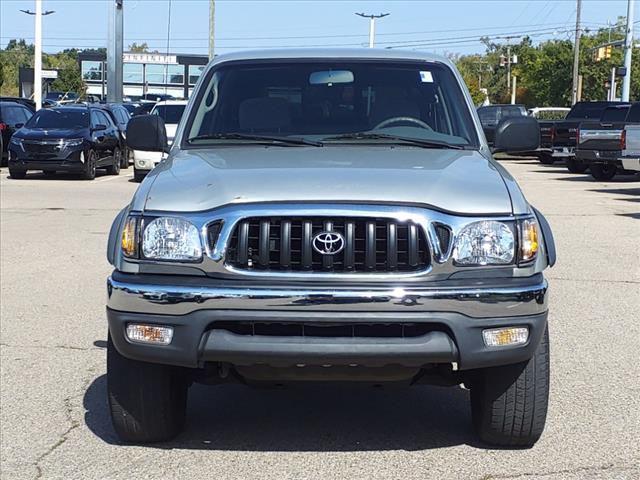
{"x": 286, "y": 244}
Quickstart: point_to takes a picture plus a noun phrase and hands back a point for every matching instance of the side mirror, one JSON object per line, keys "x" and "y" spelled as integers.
{"x": 517, "y": 134}
{"x": 147, "y": 133}
{"x": 18, "y": 126}
{"x": 99, "y": 127}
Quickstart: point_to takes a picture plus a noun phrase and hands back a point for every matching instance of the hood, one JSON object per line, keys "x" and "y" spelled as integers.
{"x": 458, "y": 181}
{"x": 51, "y": 133}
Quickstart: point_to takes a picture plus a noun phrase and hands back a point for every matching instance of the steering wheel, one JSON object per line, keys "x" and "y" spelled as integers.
{"x": 390, "y": 121}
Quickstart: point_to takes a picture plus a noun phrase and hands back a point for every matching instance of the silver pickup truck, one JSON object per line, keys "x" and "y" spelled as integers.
{"x": 329, "y": 215}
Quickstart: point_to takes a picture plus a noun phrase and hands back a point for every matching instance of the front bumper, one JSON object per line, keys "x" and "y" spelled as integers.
{"x": 68, "y": 161}
{"x": 146, "y": 161}
{"x": 197, "y": 310}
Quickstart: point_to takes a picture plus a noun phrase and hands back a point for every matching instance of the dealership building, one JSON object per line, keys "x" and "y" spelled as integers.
{"x": 145, "y": 73}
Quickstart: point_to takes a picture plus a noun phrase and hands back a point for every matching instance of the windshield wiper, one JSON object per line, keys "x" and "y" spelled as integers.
{"x": 385, "y": 136}
{"x": 272, "y": 139}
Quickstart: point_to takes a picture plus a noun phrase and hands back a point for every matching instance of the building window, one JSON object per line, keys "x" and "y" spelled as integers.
{"x": 194, "y": 73}
{"x": 132, "y": 73}
{"x": 175, "y": 74}
{"x": 156, "y": 73}
{"x": 91, "y": 70}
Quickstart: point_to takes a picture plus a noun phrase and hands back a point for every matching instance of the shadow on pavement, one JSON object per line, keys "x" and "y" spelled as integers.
{"x": 309, "y": 418}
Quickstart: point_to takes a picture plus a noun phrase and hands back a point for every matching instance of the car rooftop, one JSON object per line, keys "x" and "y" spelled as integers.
{"x": 330, "y": 53}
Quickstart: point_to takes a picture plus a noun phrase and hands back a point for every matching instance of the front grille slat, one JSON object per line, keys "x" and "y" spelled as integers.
{"x": 370, "y": 245}
{"x": 263, "y": 251}
{"x": 307, "y": 249}
{"x": 243, "y": 243}
{"x": 285, "y": 244}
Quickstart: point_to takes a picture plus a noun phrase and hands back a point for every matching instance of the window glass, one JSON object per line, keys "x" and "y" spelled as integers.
{"x": 91, "y": 70}
{"x": 12, "y": 115}
{"x": 95, "y": 120}
{"x": 615, "y": 114}
{"x": 169, "y": 113}
{"x": 132, "y": 73}
{"x": 194, "y": 73}
{"x": 488, "y": 115}
{"x": 587, "y": 110}
{"x": 104, "y": 119}
{"x": 123, "y": 115}
{"x": 53, "y": 118}
{"x": 511, "y": 112}
{"x": 155, "y": 73}
{"x": 175, "y": 74}
{"x": 326, "y": 99}
{"x": 634, "y": 113}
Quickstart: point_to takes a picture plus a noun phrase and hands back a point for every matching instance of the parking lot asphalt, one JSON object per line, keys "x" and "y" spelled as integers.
{"x": 53, "y": 410}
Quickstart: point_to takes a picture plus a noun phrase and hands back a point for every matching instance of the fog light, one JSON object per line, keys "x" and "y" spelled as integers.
{"x": 149, "y": 334}
{"x": 502, "y": 337}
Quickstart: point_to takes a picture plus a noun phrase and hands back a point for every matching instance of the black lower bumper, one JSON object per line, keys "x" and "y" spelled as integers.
{"x": 70, "y": 163}
{"x": 204, "y": 336}
{"x": 599, "y": 156}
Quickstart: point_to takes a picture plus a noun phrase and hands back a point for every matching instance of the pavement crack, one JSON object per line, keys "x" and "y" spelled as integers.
{"x": 600, "y": 280}
{"x": 73, "y": 424}
{"x": 593, "y": 468}
{"x": 52, "y": 347}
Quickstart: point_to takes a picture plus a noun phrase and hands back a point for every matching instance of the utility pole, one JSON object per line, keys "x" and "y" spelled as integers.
{"x": 114, "y": 51}
{"x": 576, "y": 55}
{"x": 628, "y": 50}
{"x": 372, "y": 25}
{"x": 508, "y": 68}
{"x": 212, "y": 28}
{"x": 37, "y": 61}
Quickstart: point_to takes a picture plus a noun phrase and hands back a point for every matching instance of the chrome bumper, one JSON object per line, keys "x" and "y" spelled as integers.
{"x": 515, "y": 297}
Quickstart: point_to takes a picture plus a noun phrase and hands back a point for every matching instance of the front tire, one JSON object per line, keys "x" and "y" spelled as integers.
{"x": 509, "y": 403}
{"x": 17, "y": 173}
{"x": 147, "y": 401}
{"x": 603, "y": 171}
{"x": 90, "y": 166}
{"x": 546, "y": 159}
{"x": 114, "y": 168}
{"x": 138, "y": 176}
{"x": 126, "y": 156}
{"x": 576, "y": 166}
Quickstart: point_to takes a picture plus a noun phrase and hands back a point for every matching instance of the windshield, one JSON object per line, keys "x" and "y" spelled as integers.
{"x": 169, "y": 113}
{"x": 59, "y": 119}
{"x": 332, "y": 102}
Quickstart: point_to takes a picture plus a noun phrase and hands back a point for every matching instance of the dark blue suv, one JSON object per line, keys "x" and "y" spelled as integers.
{"x": 76, "y": 139}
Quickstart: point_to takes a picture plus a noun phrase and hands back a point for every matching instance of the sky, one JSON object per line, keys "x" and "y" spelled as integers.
{"x": 444, "y": 27}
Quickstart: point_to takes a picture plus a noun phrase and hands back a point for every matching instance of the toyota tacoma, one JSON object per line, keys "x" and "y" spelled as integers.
{"x": 329, "y": 216}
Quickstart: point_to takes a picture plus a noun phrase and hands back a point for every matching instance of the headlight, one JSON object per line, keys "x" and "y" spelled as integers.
{"x": 486, "y": 242}
{"x": 73, "y": 142}
{"x": 171, "y": 238}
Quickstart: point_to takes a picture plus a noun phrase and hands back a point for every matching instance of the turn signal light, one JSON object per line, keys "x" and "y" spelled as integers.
{"x": 529, "y": 243}
{"x": 129, "y": 241}
{"x": 502, "y": 337}
{"x": 159, "y": 335}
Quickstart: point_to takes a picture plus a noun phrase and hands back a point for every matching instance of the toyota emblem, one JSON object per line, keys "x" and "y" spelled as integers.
{"x": 328, "y": 243}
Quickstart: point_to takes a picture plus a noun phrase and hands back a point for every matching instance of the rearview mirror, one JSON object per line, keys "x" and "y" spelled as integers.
{"x": 147, "y": 133}
{"x": 517, "y": 134}
{"x": 329, "y": 77}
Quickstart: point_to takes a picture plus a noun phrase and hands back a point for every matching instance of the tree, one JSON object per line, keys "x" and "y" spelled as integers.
{"x": 142, "y": 48}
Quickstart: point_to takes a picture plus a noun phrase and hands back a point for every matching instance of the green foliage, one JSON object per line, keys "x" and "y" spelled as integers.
{"x": 20, "y": 54}
{"x": 544, "y": 71}
{"x": 141, "y": 48}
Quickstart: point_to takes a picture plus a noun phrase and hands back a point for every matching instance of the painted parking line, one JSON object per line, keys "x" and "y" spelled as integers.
{"x": 112, "y": 177}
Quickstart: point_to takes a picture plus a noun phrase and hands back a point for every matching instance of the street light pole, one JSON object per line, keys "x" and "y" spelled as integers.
{"x": 37, "y": 61}
{"x": 212, "y": 28}
{"x": 576, "y": 55}
{"x": 628, "y": 50}
{"x": 372, "y": 25}
{"x": 115, "y": 49}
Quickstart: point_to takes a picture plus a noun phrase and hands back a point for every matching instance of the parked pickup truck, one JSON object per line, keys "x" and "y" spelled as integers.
{"x": 613, "y": 144}
{"x": 329, "y": 215}
{"x": 563, "y": 132}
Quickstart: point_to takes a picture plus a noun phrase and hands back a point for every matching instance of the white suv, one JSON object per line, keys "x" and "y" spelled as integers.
{"x": 171, "y": 111}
